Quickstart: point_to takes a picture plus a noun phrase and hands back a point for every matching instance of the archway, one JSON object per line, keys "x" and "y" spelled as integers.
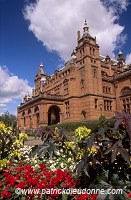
{"x": 53, "y": 115}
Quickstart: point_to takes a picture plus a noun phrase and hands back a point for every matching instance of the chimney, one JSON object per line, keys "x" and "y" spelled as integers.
{"x": 78, "y": 35}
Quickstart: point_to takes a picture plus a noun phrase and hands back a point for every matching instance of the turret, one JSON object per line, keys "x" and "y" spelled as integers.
{"x": 121, "y": 60}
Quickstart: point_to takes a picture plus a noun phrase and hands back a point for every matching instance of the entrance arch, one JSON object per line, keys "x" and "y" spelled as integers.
{"x": 53, "y": 115}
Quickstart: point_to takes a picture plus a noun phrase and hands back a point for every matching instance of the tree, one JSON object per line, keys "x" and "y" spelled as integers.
{"x": 9, "y": 119}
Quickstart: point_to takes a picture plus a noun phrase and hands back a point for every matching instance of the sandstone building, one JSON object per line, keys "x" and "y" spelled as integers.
{"x": 86, "y": 87}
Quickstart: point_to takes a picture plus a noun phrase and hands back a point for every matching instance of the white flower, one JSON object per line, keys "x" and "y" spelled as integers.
{"x": 69, "y": 159}
{"x": 72, "y": 167}
{"x": 50, "y": 161}
{"x": 52, "y": 168}
{"x": 61, "y": 150}
{"x": 57, "y": 153}
{"x": 63, "y": 165}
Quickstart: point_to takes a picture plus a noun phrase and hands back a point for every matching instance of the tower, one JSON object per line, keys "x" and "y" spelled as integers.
{"x": 39, "y": 81}
{"x": 121, "y": 61}
{"x": 87, "y": 53}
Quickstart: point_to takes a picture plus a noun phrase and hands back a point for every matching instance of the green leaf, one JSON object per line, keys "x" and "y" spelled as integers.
{"x": 102, "y": 197}
{"x": 89, "y": 141}
{"x": 111, "y": 148}
{"x": 114, "y": 154}
{"x": 123, "y": 196}
{"x": 64, "y": 196}
{"x": 86, "y": 172}
{"x": 111, "y": 197}
{"x": 125, "y": 155}
{"x": 106, "y": 197}
{"x": 76, "y": 149}
{"x": 101, "y": 131}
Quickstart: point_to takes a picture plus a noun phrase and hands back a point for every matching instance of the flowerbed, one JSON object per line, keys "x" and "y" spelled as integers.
{"x": 25, "y": 176}
{"x": 79, "y": 159}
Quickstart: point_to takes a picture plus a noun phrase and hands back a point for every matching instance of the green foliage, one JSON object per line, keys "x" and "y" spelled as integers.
{"x": 10, "y": 143}
{"x": 102, "y": 157}
{"x": 102, "y": 118}
{"x": 112, "y": 155}
{"x": 9, "y": 119}
{"x": 71, "y": 126}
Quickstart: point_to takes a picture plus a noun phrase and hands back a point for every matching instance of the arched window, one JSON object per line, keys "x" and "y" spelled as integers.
{"x": 93, "y": 52}
{"x": 82, "y": 84}
{"x": 83, "y": 113}
{"x": 80, "y": 53}
{"x": 126, "y": 99}
{"x": 30, "y": 117}
{"x": 90, "y": 51}
{"x": 24, "y": 118}
{"x": 37, "y": 113}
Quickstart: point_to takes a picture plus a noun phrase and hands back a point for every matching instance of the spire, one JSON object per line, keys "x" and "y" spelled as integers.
{"x": 41, "y": 64}
{"x": 121, "y": 60}
{"x": 86, "y": 28}
{"x": 120, "y": 56}
{"x": 120, "y": 53}
{"x": 41, "y": 71}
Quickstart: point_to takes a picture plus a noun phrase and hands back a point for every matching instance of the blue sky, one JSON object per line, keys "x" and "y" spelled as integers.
{"x": 45, "y": 31}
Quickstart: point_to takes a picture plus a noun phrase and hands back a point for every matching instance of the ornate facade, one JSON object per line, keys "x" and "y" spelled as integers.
{"x": 86, "y": 87}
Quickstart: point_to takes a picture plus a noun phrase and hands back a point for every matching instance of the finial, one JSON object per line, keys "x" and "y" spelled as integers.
{"x": 120, "y": 53}
{"x": 85, "y": 29}
{"x": 85, "y": 23}
{"x": 41, "y": 64}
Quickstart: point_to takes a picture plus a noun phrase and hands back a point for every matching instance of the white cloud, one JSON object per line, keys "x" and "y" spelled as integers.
{"x": 11, "y": 88}
{"x": 128, "y": 59}
{"x": 116, "y": 5}
{"x": 55, "y": 23}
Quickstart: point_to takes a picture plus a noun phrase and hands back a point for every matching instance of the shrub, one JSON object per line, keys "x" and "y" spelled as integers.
{"x": 10, "y": 143}
{"x": 102, "y": 158}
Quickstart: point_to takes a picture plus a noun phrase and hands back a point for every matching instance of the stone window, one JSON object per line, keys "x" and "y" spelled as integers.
{"x": 93, "y": 52}
{"x": 90, "y": 51}
{"x": 82, "y": 84}
{"x": 94, "y": 72}
{"x": 57, "y": 90}
{"x": 126, "y": 99}
{"x": 24, "y": 118}
{"x": 80, "y": 53}
{"x": 96, "y": 103}
{"x": 83, "y": 114}
{"x": 126, "y": 102}
{"x": 107, "y": 105}
{"x": 103, "y": 74}
{"x": 106, "y": 90}
{"x": 126, "y": 91}
{"x": 66, "y": 90}
{"x": 30, "y": 117}
{"x": 37, "y": 113}
{"x": 67, "y": 108}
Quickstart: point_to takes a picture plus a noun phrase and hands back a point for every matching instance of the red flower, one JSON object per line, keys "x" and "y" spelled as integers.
{"x": 129, "y": 195}
{"x": 42, "y": 184}
{"x": 0, "y": 183}
{"x": 34, "y": 181}
{"x": 82, "y": 197}
{"x": 20, "y": 169}
{"x": 21, "y": 185}
{"x": 42, "y": 166}
{"x": 8, "y": 178}
{"x": 93, "y": 196}
{"x": 26, "y": 176}
{"x": 5, "y": 193}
